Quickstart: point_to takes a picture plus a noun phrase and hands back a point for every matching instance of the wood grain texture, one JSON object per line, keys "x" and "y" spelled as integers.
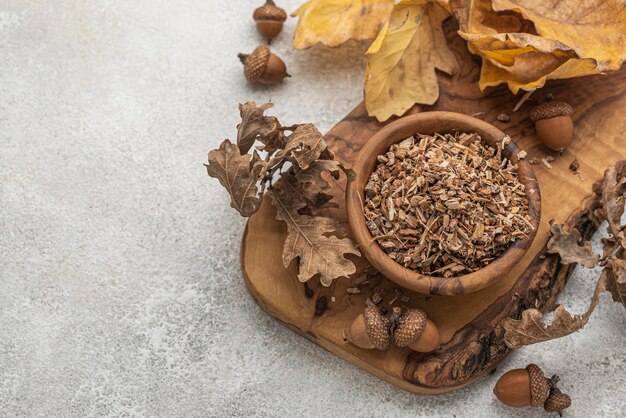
{"x": 431, "y": 123}
{"x": 470, "y": 324}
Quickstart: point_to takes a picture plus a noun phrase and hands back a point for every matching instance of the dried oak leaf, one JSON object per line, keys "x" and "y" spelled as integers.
{"x": 254, "y": 125}
{"x": 310, "y": 177}
{"x": 613, "y": 200}
{"x": 309, "y": 186}
{"x": 610, "y": 247}
{"x": 312, "y": 201}
{"x": 566, "y": 245}
{"x": 238, "y": 174}
{"x": 312, "y": 182}
{"x": 594, "y": 29}
{"x": 305, "y": 145}
{"x": 333, "y": 22}
{"x": 511, "y": 50}
{"x": 312, "y": 240}
{"x": 403, "y": 58}
{"x": 532, "y": 329}
{"x": 615, "y": 273}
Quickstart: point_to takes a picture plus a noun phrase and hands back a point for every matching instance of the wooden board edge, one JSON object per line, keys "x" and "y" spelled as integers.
{"x": 403, "y": 384}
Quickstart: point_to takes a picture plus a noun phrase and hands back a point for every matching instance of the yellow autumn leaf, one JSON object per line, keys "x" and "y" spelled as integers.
{"x": 493, "y": 75}
{"x": 477, "y": 17}
{"x": 525, "y": 61}
{"x": 594, "y": 29}
{"x": 511, "y": 50}
{"x": 403, "y": 58}
{"x": 333, "y": 22}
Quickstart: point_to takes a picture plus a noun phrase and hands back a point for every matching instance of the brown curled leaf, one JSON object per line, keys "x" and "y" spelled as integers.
{"x": 313, "y": 240}
{"x": 313, "y": 185}
{"x": 254, "y": 125}
{"x": 531, "y": 328}
{"x": 612, "y": 200}
{"x": 616, "y": 279}
{"x": 308, "y": 187}
{"x": 308, "y": 199}
{"x": 238, "y": 174}
{"x": 305, "y": 145}
{"x": 566, "y": 245}
{"x": 610, "y": 247}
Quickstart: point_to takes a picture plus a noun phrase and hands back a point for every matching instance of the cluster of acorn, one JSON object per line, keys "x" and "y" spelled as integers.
{"x": 529, "y": 387}
{"x": 261, "y": 65}
{"x": 410, "y": 328}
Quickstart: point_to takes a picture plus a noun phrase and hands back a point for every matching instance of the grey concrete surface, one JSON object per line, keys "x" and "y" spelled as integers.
{"x": 120, "y": 287}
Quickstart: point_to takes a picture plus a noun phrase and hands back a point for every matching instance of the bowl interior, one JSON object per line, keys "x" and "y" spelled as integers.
{"x": 430, "y": 123}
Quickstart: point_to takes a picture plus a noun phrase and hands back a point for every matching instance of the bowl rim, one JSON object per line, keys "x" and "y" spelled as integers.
{"x": 445, "y": 122}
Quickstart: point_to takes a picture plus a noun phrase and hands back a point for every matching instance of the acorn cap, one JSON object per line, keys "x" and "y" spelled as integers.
{"x": 549, "y": 110}
{"x": 269, "y": 11}
{"x": 557, "y": 401}
{"x": 539, "y": 386}
{"x": 377, "y": 328}
{"x": 409, "y": 327}
{"x": 254, "y": 64}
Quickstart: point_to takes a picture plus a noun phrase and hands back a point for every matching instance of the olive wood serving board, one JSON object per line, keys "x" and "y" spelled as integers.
{"x": 470, "y": 325}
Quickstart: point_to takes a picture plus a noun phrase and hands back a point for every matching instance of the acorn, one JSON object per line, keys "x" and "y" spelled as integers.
{"x": 557, "y": 401}
{"x": 553, "y": 122}
{"x": 370, "y": 330}
{"x": 261, "y": 66}
{"x": 523, "y": 387}
{"x": 414, "y": 330}
{"x": 269, "y": 19}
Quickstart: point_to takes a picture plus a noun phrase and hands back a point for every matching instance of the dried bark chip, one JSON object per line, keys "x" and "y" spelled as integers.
{"x": 546, "y": 163}
{"x": 503, "y": 117}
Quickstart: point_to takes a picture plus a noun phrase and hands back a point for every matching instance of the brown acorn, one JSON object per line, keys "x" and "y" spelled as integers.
{"x": 370, "y": 330}
{"x": 414, "y": 330}
{"x": 261, "y": 66}
{"x": 553, "y": 121}
{"x": 557, "y": 401}
{"x": 523, "y": 387}
{"x": 269, "y": 19}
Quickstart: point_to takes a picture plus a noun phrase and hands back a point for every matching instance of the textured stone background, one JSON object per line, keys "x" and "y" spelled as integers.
{"x": 120, "y": 288}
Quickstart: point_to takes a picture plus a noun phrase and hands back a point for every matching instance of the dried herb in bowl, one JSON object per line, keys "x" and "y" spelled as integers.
{"x": 445, "y": 205}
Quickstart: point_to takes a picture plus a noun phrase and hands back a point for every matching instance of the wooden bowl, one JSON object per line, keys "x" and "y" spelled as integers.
{"x": 429, "y": 123}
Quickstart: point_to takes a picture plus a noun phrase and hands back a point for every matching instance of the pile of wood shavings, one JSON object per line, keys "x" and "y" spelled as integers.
{"x": 445, "y": 205}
